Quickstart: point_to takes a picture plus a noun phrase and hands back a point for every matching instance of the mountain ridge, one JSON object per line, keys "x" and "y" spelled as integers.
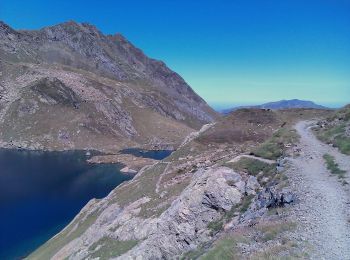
{"x": 122, "y": 92}
{"x": 281, "y": 104}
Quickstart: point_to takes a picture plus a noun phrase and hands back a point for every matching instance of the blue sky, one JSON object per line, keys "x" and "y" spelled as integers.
{"x": 230, "y": 52}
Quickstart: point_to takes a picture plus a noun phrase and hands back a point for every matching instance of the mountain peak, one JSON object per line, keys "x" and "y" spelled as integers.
{"x": 6, "y": 29}
{"x": 282, "y": 104}
{"x": 89, "y": 71}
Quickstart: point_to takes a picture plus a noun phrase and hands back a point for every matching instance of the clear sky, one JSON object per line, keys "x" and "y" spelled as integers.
{"x": 230, "y": 51}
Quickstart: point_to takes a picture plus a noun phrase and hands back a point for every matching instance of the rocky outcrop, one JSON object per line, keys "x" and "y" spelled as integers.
{"x": 180, "y": 228}
{"x": 212, "y": 195}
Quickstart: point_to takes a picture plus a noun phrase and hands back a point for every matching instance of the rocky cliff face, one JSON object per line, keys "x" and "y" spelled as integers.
{"x": 70, "y": 86}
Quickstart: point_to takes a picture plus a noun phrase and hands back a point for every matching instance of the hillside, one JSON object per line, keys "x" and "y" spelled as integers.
{"x": 335, "y": 130}
{"x": 217, "y": 194}
{"x": 282, "y": 104}
{"x": 69, "y": 86}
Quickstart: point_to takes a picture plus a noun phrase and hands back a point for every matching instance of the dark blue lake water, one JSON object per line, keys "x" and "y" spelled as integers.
{"x": 41, "y": 192}
{"x": 154, "y": 154}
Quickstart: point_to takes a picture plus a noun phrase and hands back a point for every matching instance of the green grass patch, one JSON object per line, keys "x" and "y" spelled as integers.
{"x": 215, "y": 226}
{"x": 272, "y": 231}
{"x": 252, "y": 166}
{"x": 224, "y": 249}
{"x": 108, "y": 247}
{"x": 333, "y": 167}
{"x": 193, "y": 254}
{"x": 274, "y": 148}
{"x": 141, "y": 186}
{"x": 247, "y": 200}
{"x": 343, "y": 144}
{"x": 335, "y": 135}
{"x": 287, "y": 251}
{"x": 239, "y": 208}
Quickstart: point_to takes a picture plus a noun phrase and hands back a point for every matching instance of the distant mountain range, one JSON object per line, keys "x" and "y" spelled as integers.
{"x": 282, "y": 104}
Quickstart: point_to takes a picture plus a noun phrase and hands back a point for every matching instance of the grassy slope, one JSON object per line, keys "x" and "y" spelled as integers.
{"x": 334, "y": 132}
{"x": 107, "y": 248}
{"x": 273, "y": 148}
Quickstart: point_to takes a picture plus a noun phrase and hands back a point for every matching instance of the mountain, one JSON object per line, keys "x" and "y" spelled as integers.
{"x": 282, "y": 104}
{"x": 69, "y": 86}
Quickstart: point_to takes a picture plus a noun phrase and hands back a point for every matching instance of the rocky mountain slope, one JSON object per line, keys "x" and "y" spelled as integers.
{"x": 224, "y": 181}
{"x": 282, "y": 104}
{"x": 69, "y": 86}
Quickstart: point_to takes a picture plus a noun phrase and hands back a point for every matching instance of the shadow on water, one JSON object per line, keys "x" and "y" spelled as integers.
{"x": 153, "y": 154}
{"x": 41, "y": 192}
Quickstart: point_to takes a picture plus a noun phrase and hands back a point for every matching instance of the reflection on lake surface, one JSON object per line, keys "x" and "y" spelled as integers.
{"x": 41, "y": 192}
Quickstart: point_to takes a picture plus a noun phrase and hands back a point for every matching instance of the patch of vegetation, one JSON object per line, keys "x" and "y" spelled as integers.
{"x": 107, "y": 247}
{"x": 142, "y": 186}
{"x": 343, "y": 144}
{"x": 239, "y": 208}
{"x": 158, "y": 204}
{"x": 342, "y": 114}
{"x": 227, "y": 247}
{"x": 281, "y": 252}
{"x": 334, "y": 132}
{"x": 265, "y": 172}
{"x": 275, "y": 211}
{"x": 215, "y": 226}
{"x": 252, "y": 166}
{"x": 274, "y": 147}
{"x": 224, "y": 249}
{"x": 271, "y": 231}
{"x": 335, "y": 135}
{"x": 231, "y": 213}
{"x": 193, "y": 254}
{"x": 192, "y": 148}
{"x": 333, "y": 167}
{"x": 247, "y": 200}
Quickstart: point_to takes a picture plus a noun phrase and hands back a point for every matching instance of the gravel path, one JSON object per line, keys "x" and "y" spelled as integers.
{"x": 323, "y": 210}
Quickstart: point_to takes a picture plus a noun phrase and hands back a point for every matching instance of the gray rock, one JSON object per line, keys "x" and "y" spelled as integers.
{"x": 252, "y": 185}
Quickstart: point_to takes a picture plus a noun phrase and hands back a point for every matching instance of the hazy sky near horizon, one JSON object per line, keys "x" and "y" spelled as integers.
{"x": 230, "y": 52}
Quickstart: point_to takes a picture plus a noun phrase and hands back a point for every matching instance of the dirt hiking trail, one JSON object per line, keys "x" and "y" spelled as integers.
{"x": 323, "y": 208}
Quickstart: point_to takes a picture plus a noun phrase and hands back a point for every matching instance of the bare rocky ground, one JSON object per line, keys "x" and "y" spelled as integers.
{"x": 323, "y": 209}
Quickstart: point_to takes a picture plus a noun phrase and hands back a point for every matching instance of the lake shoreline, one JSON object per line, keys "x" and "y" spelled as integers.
{"x": 130, "y": 163}
{"x": 47, "y": 189}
